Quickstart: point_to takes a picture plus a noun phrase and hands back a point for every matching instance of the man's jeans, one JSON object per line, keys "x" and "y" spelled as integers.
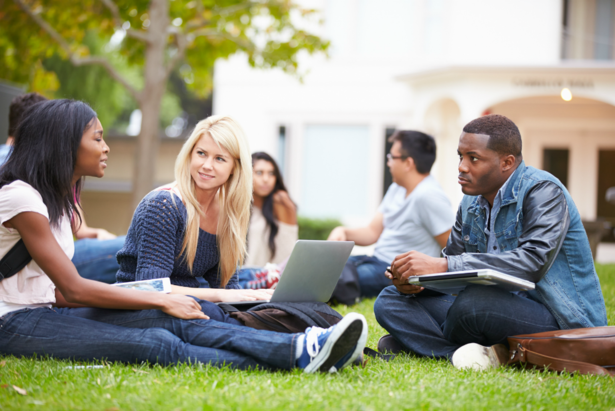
{"x": 144, "y": 335}
{"x": 95, "y": 259}
{"x": 371, "y": 274}
{"x": 434, "y": 325}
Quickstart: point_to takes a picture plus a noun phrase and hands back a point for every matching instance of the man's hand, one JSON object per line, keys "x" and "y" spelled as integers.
{"x": 337, "y": 234}
{"x": 403, "y": 287}
{"x": 414, "y": 263}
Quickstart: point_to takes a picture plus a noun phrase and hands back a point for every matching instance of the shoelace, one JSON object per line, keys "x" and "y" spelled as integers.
{"x": 311, "y": 341}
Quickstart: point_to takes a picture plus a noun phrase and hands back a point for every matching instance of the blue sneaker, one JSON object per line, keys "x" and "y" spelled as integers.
{"x": 325, "y": 349}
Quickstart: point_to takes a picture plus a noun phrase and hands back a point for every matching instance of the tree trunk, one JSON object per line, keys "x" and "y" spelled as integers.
{"x": 149, "y": 103}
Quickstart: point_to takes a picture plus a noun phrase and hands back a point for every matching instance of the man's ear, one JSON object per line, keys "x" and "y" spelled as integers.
{"x": 507, "y": 162}
{"x": 409, "y": 163}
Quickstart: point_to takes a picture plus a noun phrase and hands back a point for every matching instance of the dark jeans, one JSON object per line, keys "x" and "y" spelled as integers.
{"x": 371, "y": 274}
{"x": 95, "y": 259}
{"x": 144, "y": 335}
{"x": 434, "y": 325}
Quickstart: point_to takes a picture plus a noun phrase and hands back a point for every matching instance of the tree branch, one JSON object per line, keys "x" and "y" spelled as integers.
{"x": 217, "y": 11}
{"x": 117, "y": 20}
{"x": 233, "y": 9}
{"x": 180, "y": 41}
{"x": 101, "y": 61}
{"x": 214, "y": 33}
{"x": 196, "y": 26}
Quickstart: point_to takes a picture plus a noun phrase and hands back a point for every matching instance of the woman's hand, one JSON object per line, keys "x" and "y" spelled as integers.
{"x": 184, "y": 307}
{"x": 102, "y": 234}
{"x": 227, "y": 296}
{"x": 284, "y": 208}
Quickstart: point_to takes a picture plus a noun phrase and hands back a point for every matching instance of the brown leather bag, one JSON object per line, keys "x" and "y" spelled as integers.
{"x": 586, "y": 350}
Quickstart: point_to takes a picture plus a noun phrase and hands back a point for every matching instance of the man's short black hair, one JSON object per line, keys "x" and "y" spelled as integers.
{"x": 18, "y": 106}
{"x": 419, "y": 146}
{"x": 504, "y": 136}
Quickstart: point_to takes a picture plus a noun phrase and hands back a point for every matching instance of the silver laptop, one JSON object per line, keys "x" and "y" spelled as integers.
{"x": 453, "y": 282}
{"x": 312, "y": 271}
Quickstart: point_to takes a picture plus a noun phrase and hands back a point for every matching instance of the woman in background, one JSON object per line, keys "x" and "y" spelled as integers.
{"x": 273, "y": 223}
{"x": 273, "y": 226}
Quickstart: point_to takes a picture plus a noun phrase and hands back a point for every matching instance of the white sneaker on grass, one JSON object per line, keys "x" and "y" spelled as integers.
{"x": 327, "y": 349}
{"x": 477, "y": 357}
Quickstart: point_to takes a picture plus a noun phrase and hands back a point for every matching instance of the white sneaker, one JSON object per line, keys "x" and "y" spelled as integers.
{"x": 479, "y": 358}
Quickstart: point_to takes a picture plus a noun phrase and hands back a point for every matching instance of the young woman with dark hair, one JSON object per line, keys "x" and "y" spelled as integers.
{"x": 60, "y": 142}
{"x": 273, "y": 223}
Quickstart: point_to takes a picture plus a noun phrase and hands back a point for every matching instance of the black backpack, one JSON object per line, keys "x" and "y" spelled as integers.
{"x": 285, "y": 317}
{"x": 348, "y": 290}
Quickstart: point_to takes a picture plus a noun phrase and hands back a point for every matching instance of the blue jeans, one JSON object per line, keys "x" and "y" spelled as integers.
{"x": 88, "y": 334}
{"x": 371, "y": 274}
{"x": 434, "y": 325}
{"x": 95, "y": 259}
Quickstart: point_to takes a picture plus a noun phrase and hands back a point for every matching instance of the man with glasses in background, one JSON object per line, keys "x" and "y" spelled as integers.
{"x": 415, "y": 214}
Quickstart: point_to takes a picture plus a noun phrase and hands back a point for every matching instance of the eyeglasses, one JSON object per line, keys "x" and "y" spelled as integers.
{"x": 392, "y": 157}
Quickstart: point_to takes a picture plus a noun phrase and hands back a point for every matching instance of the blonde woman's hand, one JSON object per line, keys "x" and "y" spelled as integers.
{"x": 227, "y": 296}
{"x": 184, "y": 307}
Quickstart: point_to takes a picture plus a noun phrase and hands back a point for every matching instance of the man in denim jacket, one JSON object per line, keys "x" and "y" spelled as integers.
{"x": 514, "y": 219}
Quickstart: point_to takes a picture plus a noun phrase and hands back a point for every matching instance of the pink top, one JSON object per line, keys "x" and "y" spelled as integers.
{"x": 30, "y": 287}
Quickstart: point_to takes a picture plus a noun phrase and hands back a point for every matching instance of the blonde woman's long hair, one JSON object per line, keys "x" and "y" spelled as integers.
{"x": 234, "y": 196}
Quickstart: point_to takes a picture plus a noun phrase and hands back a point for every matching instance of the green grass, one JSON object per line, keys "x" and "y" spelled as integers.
{"x": 404, "y": 383}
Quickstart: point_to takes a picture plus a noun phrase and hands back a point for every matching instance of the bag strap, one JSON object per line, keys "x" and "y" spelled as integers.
{"x": 16, "y": 259}
{"x": 561, "y": 364}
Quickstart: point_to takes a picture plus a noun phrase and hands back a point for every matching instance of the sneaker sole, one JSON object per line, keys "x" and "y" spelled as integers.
{"x": 358, "y": 348}
{"x": 345, "y": 336}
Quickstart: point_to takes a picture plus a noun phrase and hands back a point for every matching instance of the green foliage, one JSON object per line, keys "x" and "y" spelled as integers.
{"x": 406, "y": 383}
{"x": 316, "y": 229}
{"x": 265, "y": 30}
{"x": 24, "y": 45}
{"x": 93, "y": 84}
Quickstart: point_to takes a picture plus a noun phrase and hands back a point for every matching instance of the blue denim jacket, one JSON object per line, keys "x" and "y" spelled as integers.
{"x": 570, "y": 289}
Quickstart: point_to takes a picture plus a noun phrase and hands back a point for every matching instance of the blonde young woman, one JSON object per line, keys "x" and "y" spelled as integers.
{"x": 196, "y": 226}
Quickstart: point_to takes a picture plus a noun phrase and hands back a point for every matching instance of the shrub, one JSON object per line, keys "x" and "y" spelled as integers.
{"x": 315, "y": 228}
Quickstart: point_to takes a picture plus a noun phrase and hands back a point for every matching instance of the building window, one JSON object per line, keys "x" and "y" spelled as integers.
{"x": 282, "y": 149}
{"x": 388, "y": 179}
{"x": 555, "y": 161}
{"x": 335, "y": 171}
{"x": 588, "y": 30}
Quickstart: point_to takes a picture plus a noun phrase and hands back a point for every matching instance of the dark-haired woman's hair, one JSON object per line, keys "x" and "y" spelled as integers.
{"x": 45, "y": 153}
{"x": 268, "y": 201}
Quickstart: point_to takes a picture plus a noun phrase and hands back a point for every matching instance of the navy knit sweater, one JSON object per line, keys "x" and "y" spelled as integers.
{"x": 154, "y": 241}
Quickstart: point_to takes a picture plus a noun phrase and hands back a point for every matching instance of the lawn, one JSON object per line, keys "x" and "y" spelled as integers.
{"x": 404, "y": 383}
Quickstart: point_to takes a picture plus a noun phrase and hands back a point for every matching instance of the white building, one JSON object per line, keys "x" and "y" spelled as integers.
{"x": 434, "y": 65}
